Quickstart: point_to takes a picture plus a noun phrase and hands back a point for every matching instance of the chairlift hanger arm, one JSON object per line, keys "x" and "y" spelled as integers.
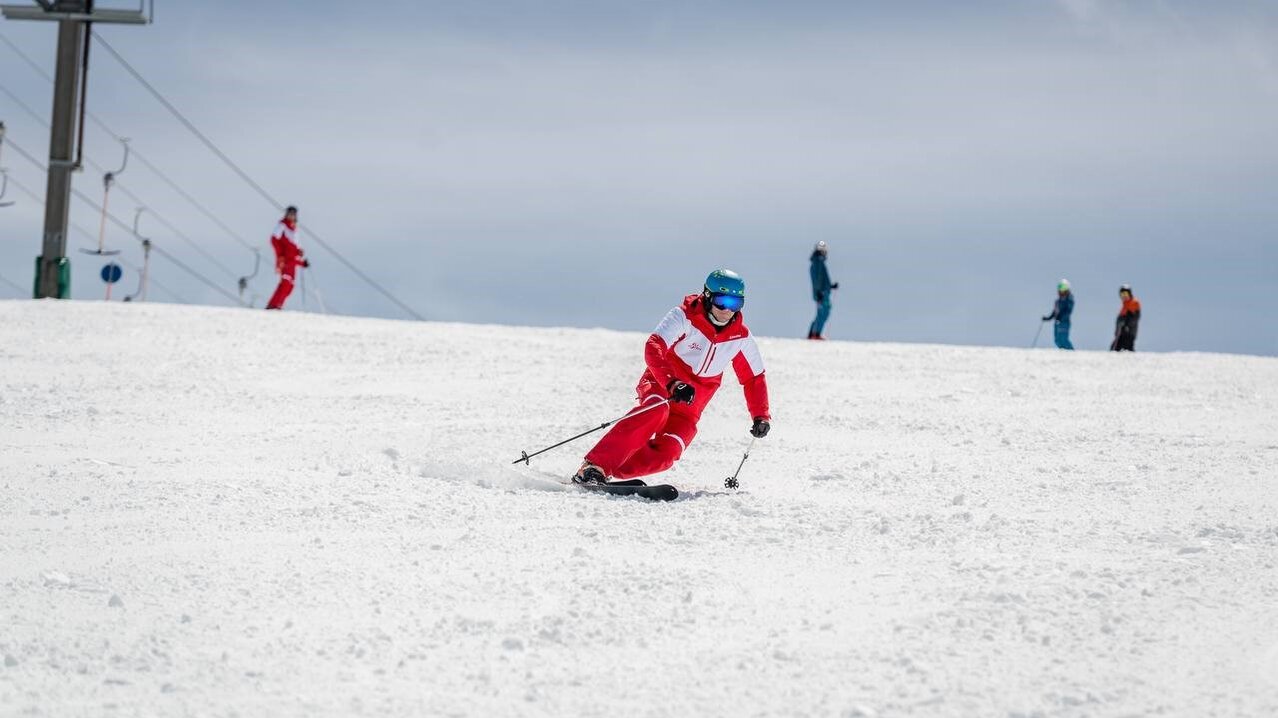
{"x": 242, "y": 282}
{"x": 142, "y": 275}
{"x": 137, "y": 216}
{"x": 4, "y": 187}
{"x": 4, "y": 173}
{"x": 109, "y": 177}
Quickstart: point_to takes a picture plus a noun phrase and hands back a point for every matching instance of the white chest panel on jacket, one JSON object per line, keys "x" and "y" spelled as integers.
{"x": 703, "y": 356}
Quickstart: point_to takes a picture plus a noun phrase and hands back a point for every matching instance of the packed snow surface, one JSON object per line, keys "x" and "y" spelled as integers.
{"x": 225, "y": 512}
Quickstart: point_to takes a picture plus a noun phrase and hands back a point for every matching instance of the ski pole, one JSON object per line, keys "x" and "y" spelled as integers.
{"x": 525, "y": 456}
{"x": 1037, "y": 335}
{"x": 319, "y": 298}
{"x": 731, "y": 481}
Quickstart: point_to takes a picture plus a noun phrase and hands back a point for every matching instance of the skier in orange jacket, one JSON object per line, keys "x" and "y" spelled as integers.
{"x": 1128, "y": 320}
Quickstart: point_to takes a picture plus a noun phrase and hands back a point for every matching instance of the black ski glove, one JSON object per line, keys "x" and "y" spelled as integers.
{"x": 834, "y": 286}
{"x": 1047, "y": 319}
{"x": 681, "y": 393}
{"x": 760, "y": 428}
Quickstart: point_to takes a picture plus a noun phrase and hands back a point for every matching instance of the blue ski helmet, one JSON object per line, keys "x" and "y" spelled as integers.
{"x": 725, "y": 281}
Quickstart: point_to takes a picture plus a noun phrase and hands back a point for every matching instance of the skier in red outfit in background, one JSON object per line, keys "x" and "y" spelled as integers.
{"x": 686, "y": 356}
{"x": 288, "y": 257}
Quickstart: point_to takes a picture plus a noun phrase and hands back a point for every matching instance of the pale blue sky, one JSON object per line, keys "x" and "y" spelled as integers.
{"x": 587, "y": 163}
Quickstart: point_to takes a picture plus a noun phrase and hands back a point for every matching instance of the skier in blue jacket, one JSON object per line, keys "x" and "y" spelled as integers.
{"x": 821, "y": 289}
{"x": 1063, "y": 308}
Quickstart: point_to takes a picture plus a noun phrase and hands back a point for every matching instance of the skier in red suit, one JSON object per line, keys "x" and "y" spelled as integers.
{"x": 686, "y": 357}
{"x": 288, "y": 257}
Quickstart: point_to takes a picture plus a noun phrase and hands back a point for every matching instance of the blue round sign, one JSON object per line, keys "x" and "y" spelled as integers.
{"x": 111, "y": 273}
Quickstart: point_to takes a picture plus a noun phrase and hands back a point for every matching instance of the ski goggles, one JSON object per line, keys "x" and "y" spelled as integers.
{"x": 729, "y": 302}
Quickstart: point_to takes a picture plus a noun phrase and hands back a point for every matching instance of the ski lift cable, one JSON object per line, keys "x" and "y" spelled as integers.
{"x": 221, "y": 155}
{"x": 150, "y": 280}
{"x": 160, "y": 250}
{"x": 191, "y": 200}
{"x": 170, "y": 226}
{"x": 116, "y": 220}
{"x": 245, "y": 176}
{"x": 89, "y": 235}
{"x": 23, "y": 106}
{"x": 39, "y": 69}
{"x": 194, "y": 245}
{"x": 225, "y": 159}
{"x": 199, "y": 206}
{"x": 22, "y": 293}
{"x": 131, "y": 195}
{"x": 181, "y": 235}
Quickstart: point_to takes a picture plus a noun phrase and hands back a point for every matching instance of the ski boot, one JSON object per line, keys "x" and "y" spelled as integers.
{"x": 589, "y": 474}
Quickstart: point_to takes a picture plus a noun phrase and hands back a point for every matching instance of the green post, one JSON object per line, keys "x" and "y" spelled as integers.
{"x": 63, "y": 268}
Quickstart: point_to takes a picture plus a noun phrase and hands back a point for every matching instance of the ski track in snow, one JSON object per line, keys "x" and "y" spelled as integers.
{"x": 222, "y": 512}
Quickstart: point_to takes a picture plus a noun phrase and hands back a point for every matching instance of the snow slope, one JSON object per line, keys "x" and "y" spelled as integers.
{"x": 223, "y": 512}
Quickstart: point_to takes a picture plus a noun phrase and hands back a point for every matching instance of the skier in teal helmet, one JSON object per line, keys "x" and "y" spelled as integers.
{"x": 686, "y": 356}
{"x": 1061, "y": 312}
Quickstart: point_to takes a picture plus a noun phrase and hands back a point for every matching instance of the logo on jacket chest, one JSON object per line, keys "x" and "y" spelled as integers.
{"x": 695, "y": 346}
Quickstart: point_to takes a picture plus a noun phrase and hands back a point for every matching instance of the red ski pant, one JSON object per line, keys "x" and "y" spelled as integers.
{"x": 284, "y": 289}
{"x": 643, "y": 444}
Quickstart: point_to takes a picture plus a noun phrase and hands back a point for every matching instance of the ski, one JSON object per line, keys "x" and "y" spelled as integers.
{"x": 635, "y": 487}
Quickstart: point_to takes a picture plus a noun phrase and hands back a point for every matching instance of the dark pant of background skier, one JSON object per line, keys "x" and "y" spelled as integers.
{"x": 823, "y": 313}
{"x": 1062, "y": 336}
{"x": 1124, "y": 342}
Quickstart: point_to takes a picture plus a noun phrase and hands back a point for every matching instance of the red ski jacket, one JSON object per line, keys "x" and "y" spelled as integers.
{"x": 687, "y": 347}
{"x": 287, "y": 254}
